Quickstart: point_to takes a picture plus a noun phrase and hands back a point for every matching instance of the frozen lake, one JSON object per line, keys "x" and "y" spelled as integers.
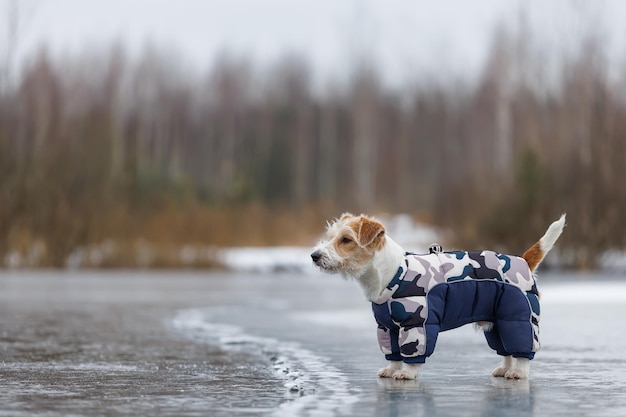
{"x": 246, "y": 344}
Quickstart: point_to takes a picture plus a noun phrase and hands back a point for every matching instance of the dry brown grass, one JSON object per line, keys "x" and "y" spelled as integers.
{"x": 252, "y": 225}
{"x": 166, "y": 237}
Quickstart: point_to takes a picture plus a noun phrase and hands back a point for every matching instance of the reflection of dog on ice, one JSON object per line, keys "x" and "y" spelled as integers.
{"x": 416, "y": 296}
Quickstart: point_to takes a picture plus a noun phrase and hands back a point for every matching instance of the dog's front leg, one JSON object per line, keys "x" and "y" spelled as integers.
{"x": 408, "y": 371}
{"x": 390, "y": 369}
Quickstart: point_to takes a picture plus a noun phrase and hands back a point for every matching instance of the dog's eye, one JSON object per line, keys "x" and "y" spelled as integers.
{"x": 346, "y": 240}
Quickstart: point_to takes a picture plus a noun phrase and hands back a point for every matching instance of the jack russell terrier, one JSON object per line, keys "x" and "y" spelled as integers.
{"x": 414, "y": 296}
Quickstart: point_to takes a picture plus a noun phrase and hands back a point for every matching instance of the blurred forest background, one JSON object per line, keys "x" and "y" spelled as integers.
{"x": 138, "y": 157}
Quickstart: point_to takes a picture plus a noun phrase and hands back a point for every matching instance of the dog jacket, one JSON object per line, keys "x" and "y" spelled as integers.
{"x": 442, "y": 291}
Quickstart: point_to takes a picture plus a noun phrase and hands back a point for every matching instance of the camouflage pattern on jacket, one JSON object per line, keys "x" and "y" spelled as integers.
{"x": 406, "y": 294}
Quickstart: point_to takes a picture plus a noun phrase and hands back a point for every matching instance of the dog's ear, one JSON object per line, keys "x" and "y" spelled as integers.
{"x": 369, "y": 231}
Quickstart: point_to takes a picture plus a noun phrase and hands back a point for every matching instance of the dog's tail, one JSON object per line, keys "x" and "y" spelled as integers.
{"x": 535, "y": 254}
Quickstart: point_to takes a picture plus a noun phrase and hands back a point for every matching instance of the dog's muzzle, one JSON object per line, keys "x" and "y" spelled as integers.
{"x": 323, "y": 261}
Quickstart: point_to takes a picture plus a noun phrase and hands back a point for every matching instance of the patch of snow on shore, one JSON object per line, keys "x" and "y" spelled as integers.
{"x": 268, "y": 259}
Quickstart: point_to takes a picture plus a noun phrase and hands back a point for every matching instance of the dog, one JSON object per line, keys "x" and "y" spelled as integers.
{"x": 415, "y": 296}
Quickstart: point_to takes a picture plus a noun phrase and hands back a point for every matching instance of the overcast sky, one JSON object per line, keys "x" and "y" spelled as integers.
{"x": 403, "y": 37}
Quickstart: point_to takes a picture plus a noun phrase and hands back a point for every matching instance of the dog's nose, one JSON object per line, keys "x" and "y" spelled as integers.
{"x": 316, "y": 256}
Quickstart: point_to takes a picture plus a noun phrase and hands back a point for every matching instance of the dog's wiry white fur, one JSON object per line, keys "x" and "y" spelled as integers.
{"x": 384, "y": 265}
{"x": 373, "y": 262}
{"x": 552, "y": 234}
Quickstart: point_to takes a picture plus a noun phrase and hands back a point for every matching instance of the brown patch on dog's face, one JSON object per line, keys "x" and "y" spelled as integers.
{"x": 349, "y": 244}
{"x": 358, "y": 240}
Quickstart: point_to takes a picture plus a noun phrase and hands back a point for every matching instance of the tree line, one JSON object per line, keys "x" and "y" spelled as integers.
{"x": 107, "y": 146}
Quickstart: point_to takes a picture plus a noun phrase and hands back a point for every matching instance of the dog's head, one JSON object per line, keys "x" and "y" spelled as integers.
{"x": 349, "y": 244}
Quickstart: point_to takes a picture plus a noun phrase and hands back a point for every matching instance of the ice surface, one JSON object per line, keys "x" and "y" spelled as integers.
{"x": 301, "y": 369}
{"x": 286, "y": 344}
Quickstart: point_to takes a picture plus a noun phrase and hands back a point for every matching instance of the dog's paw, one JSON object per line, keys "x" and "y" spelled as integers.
{"x": 404, "y": 374}
{"x": 516, "y": 374}
{"x": 499, "y": 372}
{"x": 408, "y": 371}
{"x": 386, "y": 372}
